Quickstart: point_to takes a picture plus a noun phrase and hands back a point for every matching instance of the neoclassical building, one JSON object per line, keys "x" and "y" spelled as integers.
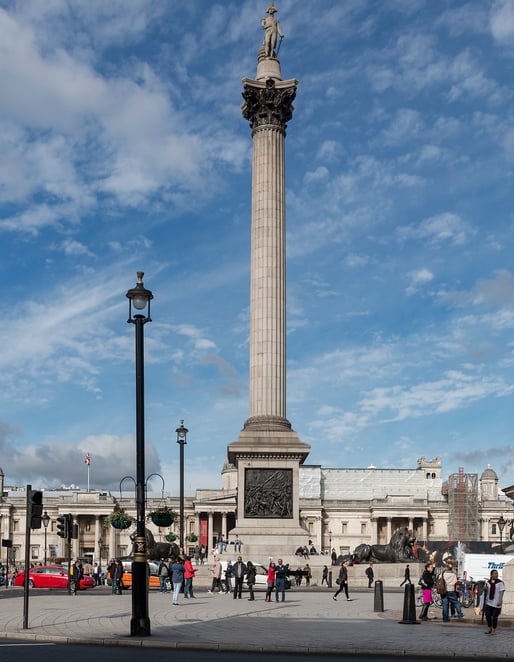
{"x": 339, "y": 509}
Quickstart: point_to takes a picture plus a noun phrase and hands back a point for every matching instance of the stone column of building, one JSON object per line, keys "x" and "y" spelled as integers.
{"x": 112, "y": 543}
{"x": 389, "y": 530}
{"x": 210, "y": 532}
{"x": 98, "y": 535}
{"x": 268, "y": 452}
{"x": 197, "y": 525}
{"x": 224, "y": 526}
{"x": 425, "y": 529}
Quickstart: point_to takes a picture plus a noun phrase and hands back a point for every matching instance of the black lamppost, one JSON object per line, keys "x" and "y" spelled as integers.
{"x": 181, "y": 441}
{"x": 502, "y": 523}
{"x": 139, "y": 298}
{"x": 46, "y": 521}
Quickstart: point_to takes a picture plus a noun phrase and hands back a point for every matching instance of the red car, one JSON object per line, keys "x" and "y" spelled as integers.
{"x": 50, "y": 576}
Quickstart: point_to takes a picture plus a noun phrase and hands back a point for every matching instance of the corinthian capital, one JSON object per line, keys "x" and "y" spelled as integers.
{"x": 268, "y": 105}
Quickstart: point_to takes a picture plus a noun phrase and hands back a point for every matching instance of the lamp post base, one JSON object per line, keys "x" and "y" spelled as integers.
{"x": 140, "y": 621}
{"x": 140, "y": 627}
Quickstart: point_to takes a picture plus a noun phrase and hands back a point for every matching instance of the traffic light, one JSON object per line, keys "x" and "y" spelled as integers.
{"x": 36, "y": 508}
{"x": 74, "y": 531}
{"x": 63, "y": 526}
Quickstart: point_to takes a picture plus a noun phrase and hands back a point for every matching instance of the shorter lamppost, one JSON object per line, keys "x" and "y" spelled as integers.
{"x": 502, "y": 523}
{"x": 330, "y": 543}
{"x": 181, "y": 441}
{"x": 46, "y": 521}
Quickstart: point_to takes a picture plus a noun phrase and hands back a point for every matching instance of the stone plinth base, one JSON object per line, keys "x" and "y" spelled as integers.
{"x": 268, "y": 512}
{"x": 508, "y": 598}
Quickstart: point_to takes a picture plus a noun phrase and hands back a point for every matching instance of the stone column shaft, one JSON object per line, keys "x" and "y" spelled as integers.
{"x": 268, "y": 277}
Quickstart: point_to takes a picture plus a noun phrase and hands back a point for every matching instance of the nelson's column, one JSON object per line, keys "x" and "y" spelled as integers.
{"x": 268, "y": 452}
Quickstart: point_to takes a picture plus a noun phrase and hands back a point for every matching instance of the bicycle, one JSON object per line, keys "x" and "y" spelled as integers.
{"x": 436, "y": 598}
{"x": 466, "y": 591}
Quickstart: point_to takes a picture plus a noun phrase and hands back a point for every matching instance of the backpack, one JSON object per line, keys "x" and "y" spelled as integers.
{"x": 164, "y": 570}
{"x": 440, "y": 586}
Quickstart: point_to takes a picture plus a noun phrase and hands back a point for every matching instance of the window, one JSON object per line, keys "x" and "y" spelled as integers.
{"x": 364, "y": 528}
{"x": 52, "y": 551}
{"x": 493, "y": 529}
{"x": 34, "y": 552}
{"x": 344, "y": 528}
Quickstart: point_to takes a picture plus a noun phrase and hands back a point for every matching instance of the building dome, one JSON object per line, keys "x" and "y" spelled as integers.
{"x": 489, "y": 474}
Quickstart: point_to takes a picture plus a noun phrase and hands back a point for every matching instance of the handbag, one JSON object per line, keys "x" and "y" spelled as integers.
{"x": 338, "y": 580}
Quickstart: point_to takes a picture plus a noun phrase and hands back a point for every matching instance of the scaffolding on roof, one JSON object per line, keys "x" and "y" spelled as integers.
{"x": 463, "y": 522}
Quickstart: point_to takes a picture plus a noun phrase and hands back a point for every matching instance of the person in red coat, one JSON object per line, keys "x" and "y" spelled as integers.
{"x": 189, "y": 573}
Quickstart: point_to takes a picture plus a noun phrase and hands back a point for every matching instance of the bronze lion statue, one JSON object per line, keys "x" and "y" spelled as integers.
{"x": 156, "y": 550}
{"x": 399, "y": 549}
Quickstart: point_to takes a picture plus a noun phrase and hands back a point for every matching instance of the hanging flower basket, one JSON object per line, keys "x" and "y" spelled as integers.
{"x": 162, "y": 517}
{"x": 119, "y": 519}
{"x": 170, "y": 537}
{"x": 192, "y": 537}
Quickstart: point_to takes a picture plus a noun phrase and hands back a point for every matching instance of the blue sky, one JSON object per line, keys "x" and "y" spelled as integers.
{"x": 124, "y": 149}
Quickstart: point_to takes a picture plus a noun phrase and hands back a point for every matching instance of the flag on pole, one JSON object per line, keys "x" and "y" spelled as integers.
{"x": 87, "y": 459}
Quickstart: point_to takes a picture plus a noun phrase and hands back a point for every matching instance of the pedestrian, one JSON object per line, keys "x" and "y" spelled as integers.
{"x": 76, "y": 575}
{"x": 111, "y": 573}
{"x": 250, "y": 579}
{"x": 238, "y": 573}
{"x": 342, "y": 580}
{"x": 216, "y": 575}
{"x": 427, "y": 584}
{"x": 228, "y": 577}
{"x": 163, "y": 572}
{"x": 281, "y": 572}
{"x": 308, "y": 574}
{"x": 492, "y": 600}
{"x": 97, "y": 573}
{"x": 177, "y": 578}
{"x": 298, "y": 576}
{"x": 189, "y": 574}
{"x": 237, "y": 545}
{"x": 370, "y": 575}
{"x": 118, "y": 577}
{"x": 324, "y": 576}
{"x": 270, "y": 582}
{"x": 333, "y": 556}
{"x": 406, "y": 576}
{"x": 451, "y": 595}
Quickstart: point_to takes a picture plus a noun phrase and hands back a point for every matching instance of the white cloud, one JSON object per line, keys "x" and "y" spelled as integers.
{"x": 502, "y": 22}
{"x": 417, "y": 278}
{"x": 447, "y": 228}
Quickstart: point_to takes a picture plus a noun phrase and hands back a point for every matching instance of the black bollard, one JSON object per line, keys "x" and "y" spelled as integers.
{"x": 379, "y": 596}
{"x": 330, "y": 579}
{"x": 409, "y": 607}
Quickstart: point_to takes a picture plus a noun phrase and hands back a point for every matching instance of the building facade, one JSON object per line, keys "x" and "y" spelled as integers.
{"x": 339, "y": 509}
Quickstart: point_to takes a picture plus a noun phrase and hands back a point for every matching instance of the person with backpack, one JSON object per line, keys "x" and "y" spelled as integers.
{"x": 450, "y": 596}
{"x": 163, "y": 573}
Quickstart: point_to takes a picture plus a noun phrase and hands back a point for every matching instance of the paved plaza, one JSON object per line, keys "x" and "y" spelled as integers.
{"x": 308, "y": 621}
